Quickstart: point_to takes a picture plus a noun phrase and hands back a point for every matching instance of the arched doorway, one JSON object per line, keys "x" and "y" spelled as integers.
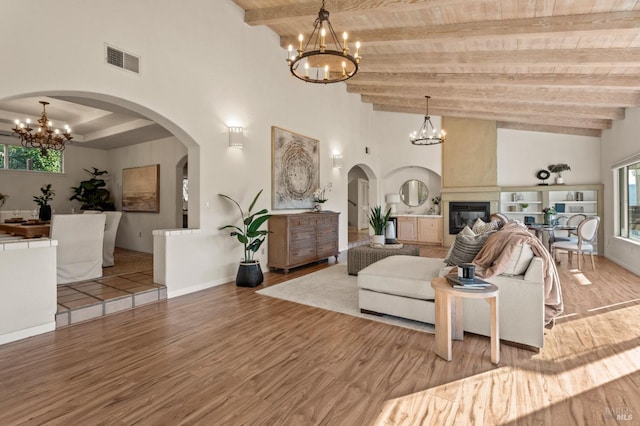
{"x": 361, "y": 195}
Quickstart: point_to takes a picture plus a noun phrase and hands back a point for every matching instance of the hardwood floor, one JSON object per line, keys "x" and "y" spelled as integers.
{"x": 228, "y": 356}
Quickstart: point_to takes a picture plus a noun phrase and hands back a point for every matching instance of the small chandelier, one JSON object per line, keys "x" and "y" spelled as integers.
{"x": 427, "y": 133}
{"x": 322, "y": 65}
{"x": 44, "y": 137}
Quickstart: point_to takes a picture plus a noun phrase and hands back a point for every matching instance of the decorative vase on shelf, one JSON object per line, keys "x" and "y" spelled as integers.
{"x": 559, "y": 180}
{"x": 317, "y": 207}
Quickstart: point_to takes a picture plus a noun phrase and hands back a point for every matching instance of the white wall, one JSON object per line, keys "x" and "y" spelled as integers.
{"x": 618, "y": 144}
{"x": 135, "y": 231}
{"x": 200, "y": 72}
{"x": 204, "y": 71}
{"x": 521, "y": 154}
{"x": 21, "y": 186}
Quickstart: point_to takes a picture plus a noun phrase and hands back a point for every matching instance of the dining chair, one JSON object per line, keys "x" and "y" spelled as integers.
{"x": 79, "y": 253}
{"x": 587, "y": 232}
{"x": 112, "y": 220}
{"x": 571, "y": 235}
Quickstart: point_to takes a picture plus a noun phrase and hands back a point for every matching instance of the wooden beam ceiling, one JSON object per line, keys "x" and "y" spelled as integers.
{"x": 562, "y": 66}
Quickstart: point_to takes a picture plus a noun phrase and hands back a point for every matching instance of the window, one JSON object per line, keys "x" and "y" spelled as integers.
{"x": 15, "y": 157}
{"x": 629, "y": 198}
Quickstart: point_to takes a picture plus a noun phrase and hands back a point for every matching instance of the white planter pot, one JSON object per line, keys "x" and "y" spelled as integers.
{"x": 559, "y": 180}
{"x": 378, "y": 239}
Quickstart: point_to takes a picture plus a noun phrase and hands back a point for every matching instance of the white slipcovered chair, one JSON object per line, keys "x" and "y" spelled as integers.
{"x": 110, "y": 231}
{"x": 79, "y": 254}
{"x": 587, "y": 232}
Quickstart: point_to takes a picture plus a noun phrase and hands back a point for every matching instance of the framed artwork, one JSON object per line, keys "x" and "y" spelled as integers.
{"x": 141, "y": 189}
{"x": 295, "y": 171}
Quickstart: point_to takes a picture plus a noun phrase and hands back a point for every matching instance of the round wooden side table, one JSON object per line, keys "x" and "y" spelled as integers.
{"x": 449, "y": 319}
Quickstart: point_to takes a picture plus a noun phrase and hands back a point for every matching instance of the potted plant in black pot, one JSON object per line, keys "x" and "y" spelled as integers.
{"x": 251, "y": 237}
{"x": 43, "y": 201}
{"x": 378, "y": 222}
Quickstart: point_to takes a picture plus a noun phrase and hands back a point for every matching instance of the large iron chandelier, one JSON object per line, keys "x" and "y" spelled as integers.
{"x": 315, "y": 63}
{"x": 45, "y": 137}
{"x": 427, "y": 134}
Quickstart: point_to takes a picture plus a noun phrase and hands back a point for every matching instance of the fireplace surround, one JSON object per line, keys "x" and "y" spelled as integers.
{"x": 462, "y": 213}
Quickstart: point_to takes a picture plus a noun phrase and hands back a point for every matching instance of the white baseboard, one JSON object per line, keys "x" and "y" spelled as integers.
{"x": 624, "y": 265}
{"x": 27, "y": 332}
{"x": 197, "y": 287}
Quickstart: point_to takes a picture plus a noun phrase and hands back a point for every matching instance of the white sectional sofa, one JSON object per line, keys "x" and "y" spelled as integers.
{"x": 401, "y": 286}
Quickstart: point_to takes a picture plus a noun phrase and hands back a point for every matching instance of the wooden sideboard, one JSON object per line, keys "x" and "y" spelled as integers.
{"x": 301, "y": 238}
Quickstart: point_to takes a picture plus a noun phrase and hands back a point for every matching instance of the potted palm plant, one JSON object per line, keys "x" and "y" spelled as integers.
{"x": 558, "y": 169}
{"x": 251, "y": 237}
{"x": 43, "y": 201}
{"x": 378, "y": 222}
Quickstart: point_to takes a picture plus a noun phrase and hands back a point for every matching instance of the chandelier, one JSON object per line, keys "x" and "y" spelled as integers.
{"x": 315, "y": 63}
{"x": 427, "y": 134}
{"x": 44, "y": 137}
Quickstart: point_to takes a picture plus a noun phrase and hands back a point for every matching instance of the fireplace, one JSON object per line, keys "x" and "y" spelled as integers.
{"x": 463, "y": 213}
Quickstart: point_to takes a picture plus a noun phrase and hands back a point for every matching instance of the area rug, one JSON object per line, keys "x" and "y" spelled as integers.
{"x": 335, "y": 290}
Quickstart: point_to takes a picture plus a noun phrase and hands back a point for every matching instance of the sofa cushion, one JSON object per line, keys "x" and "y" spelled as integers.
{"x": 480, "y": 227}
{"x": 408, "y": 276}
{"x": 520, "y": 260}
{"x": 466, "y": 247}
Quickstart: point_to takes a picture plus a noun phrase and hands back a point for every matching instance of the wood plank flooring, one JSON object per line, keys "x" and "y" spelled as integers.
{"x": 228, "y": 356}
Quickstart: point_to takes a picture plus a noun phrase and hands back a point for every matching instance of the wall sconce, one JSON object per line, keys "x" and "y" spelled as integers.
{"x": 236, "y": 137}
{"x": 337, "y": 161}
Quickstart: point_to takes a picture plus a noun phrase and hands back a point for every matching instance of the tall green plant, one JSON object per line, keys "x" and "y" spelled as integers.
{"x": 249, "y": 235}
{"x": 377, "y": 220}
{"x": 93, "y": 193}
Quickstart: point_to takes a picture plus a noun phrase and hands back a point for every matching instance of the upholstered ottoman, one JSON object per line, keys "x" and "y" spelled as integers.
{"x": 362, "y": 256}
{"x": 400, "y": 286}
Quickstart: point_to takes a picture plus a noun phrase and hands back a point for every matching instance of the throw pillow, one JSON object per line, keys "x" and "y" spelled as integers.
{"x": 465, "y": 248}
{"x": 466, "y": 231}
{"x": 520, "y": 260}
{"x": 480, "y": 227}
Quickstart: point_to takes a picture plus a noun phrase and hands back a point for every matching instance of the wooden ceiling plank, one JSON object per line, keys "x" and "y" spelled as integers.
{"x": 523, "y": 94}
{"x": 517, "y": 118}
{"x": 556, "y": 27}
{"x": 500, "y": 105}
{"x": 543, "y": 57}
{"x": 309, "y": 10}
{"x": 612, "y": 82}
{"x": 549, "y": 129}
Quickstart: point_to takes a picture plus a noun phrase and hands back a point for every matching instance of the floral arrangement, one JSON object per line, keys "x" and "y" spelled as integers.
{"x": 320, "y": 194}
{"x": 549, "y": 211}
{"x": 3, "y": 198}
{"x": 47, "y": 195}
{"x": 436, "y": 200}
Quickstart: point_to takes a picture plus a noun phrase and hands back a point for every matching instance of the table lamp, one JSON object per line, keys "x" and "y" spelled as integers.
{"x": 392, "y": 200}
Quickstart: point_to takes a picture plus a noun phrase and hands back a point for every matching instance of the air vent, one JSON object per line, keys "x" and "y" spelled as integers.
{"x": 123, "y": 60}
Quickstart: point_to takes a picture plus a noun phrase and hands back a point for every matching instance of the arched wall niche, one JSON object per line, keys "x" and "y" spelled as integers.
{"x": 393, "y": 180}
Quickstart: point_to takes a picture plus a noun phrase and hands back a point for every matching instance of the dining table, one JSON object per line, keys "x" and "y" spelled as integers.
{"x": 545, "y": 232}
{"x": 27, "y": 229}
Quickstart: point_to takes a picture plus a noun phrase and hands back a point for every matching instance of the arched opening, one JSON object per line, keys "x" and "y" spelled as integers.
{"x": 114, "y": 134}
{"x": 361, "y": 195}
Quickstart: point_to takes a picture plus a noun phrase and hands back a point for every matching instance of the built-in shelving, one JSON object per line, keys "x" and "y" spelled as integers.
{"x": 540, "y": 197}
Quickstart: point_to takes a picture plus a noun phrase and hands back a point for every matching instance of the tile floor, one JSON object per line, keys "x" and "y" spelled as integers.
{"x": 87, "y": 300}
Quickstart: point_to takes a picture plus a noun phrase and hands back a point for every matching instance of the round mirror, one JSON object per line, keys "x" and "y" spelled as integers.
{"x": 414, "y": 193}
